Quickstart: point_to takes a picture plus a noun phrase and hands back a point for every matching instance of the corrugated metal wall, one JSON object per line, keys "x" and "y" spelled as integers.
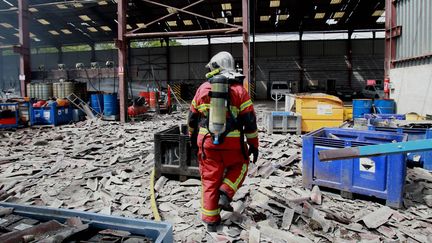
{"x": 276, "y": 61}
{"x": 415, "y": 17}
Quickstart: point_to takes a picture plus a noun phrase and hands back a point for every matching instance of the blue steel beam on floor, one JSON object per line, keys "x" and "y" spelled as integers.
{"x": 376, "y": 150}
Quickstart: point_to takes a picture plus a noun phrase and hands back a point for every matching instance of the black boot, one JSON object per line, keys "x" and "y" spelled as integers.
{"x": 212, "y": 227}
{"x": 224, "y": 202}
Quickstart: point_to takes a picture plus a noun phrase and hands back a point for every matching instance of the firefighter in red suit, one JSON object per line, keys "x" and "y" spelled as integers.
{"x": 223, "y": 163}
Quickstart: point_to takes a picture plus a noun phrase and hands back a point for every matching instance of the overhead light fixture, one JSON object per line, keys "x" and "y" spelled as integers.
{"x": 16, "y": 34}
{"x": 264, "y": 18}
{"x": 105, "y": 28}
{"x": 338, "y": 15}
{"x": 92, "y": 29}
{"x": 274, "y": 3}
{"x": 238, "y": 19}
{"x": 140, "y": 25}
{"x": 53, "y": 32}
{"x": 381, "y": 20}
{"x": 172, "y": 23}
{"x": 78, "y": 5}
{"x": 331, "y": 21}
{"x": 319, "y": 15}
{"x": 85, "y": 17}
{"x": 36, "y": 39}
{"x": 187, "y": 22}
{"x": 283, "y": 17}
{"x": 128, "y": 26}
{"x": 6, "y": 25}
{"x": 171, "y": 10}
{"x": 226, "y": 6}
{"x": 335, "y": 1}
{"x": 32, "y": 35}
{"x": 61, "y": 6}
{"x": 66, "y": 31}
{"x": 102, "y": 2}
{"x": 33, "y": 10}
{"x": 43, "y": 21}
{"x": 378, "y": 13}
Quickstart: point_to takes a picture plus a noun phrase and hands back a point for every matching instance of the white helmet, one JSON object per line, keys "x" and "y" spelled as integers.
{"x": 223, "y": 60}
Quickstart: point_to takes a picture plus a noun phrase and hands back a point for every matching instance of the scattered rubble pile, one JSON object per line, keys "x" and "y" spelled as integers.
{"x": 16, "y": 228}
{"x": 105, "y": 167}
{"x": 93, "y": 166}
{"x": 272, "y": 206}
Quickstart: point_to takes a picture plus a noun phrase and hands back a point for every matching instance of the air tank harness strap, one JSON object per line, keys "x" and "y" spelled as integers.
{"x": 221, "y": 95}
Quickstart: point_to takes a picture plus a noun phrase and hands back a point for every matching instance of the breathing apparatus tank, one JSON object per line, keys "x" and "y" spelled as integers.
{"x": 218, "y": 106}
{"x": 220, "y": 66}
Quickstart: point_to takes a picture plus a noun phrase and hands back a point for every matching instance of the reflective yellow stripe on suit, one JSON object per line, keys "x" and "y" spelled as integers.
{"x": 210, "y": 213}
{"x": 252, "y": 135}
{"x": 245, "y": 105}
{"x": 234, "y": 186}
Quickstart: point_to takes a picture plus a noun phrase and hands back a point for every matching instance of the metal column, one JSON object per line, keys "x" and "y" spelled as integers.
{"x": 1, "y": 70}
{"x": 93, "y": 53}
{"x": 245, "y": 31}
{"x": 349, "y": 58}
{"x": 390, "y": 40}
{"x": 122, "y": 57}
{"x": 301, "y": 62}
{"x": 209, "y": 51}
{"x": 60, "y": 55}
{"x": 24, "y": 45}
{"x": 168, "y": 60}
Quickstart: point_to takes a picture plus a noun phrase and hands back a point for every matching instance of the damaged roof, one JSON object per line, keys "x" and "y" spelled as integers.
{"x": 56, "y": 23}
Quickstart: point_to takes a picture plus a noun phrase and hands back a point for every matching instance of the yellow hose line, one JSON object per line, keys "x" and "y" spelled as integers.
{"x": 153, "y": 198}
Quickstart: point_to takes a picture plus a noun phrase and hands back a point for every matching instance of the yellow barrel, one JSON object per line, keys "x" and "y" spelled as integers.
{"x": 348, "y": 112}
{"x": 319, "y": 111}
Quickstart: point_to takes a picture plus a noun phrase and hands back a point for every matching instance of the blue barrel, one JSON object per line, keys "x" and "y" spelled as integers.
{"x": 361, "y": 107}
{"x": 111, "y": 105}
{"x": 385, "y": 106}
{"x": 97, "y": 102}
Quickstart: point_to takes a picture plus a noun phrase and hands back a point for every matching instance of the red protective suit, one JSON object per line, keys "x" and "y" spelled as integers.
{"x": 223, "y": 167}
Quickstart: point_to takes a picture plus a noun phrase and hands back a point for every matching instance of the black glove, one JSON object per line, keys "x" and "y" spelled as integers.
{"x": 194, "y": 140}
{"x": 254, "y": 151}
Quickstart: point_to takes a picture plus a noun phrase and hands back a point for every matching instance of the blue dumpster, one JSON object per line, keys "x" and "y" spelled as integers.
{"x": 381, "y": 176}
{"x": 51, "y": 115}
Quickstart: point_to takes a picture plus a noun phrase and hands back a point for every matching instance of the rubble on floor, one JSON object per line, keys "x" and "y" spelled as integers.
{"x": 105, "y": 167}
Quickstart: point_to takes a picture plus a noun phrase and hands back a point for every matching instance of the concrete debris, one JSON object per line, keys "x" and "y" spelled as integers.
{"x": 378, "y": 217}
{"x": 287, "y": 218}
{"x": 316, "y": 195}
{"x": 254, "y": 235}
{"x": 105, "y": 167}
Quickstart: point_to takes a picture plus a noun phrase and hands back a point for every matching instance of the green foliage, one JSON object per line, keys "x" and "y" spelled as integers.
{"x": 44, "y": 50}
{"x": 105, "y": 46}
{"x": 155, "y": 43}
{"x": 76, "y": 48}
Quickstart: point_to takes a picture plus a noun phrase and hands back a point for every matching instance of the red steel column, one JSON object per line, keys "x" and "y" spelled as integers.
{"x": 390, "y": 41}
{"x": 245, "y": 31}
{"x": 24, "y": 48}
{"x": 122, "y": 57}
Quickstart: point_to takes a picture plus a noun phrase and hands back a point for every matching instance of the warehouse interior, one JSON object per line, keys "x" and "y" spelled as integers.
{"x": 97, "y": 99}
